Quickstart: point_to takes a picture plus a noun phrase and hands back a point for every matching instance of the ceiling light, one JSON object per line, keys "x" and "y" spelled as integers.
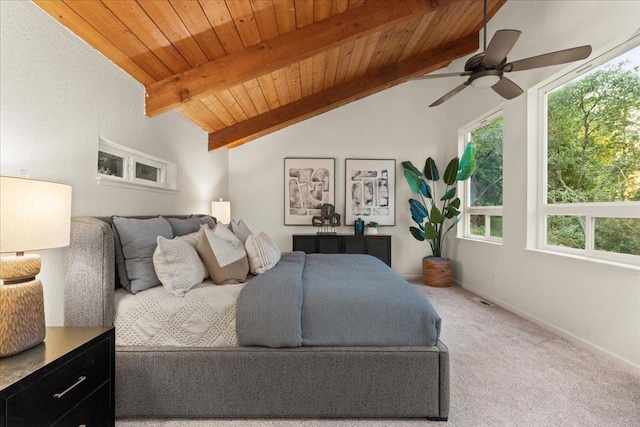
{"x": 486, "y": 81}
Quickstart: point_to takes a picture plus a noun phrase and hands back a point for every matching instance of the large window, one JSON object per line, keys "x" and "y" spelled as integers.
{"x": 590, "y": 186}
{"x": 483, "y": 195}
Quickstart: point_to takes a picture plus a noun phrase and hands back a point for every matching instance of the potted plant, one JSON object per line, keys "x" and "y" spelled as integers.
{"x": 434, "y": 219}
{"x": 372, "y": 228}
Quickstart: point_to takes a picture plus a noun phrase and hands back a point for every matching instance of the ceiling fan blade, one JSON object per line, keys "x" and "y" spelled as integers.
{"x": 450, "y": 94}
{"x": 500, "y": 45}
{"x": 507, "y": 88}
{"x": 435, "y": 76}
{"x": 553, "y": 58}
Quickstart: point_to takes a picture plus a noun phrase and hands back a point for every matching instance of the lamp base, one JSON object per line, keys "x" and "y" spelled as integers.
{"x": 21, "y": 305}
{"x": 22, "y": 313}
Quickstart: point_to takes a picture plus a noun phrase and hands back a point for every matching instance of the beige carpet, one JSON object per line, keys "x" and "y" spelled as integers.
{"x": 505, "y": 371}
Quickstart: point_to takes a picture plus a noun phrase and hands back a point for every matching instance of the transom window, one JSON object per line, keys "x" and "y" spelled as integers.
{"x": 483, "y": 192}
{"x": 590, "y": 182}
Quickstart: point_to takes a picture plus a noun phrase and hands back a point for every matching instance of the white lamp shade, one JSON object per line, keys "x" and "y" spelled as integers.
{"x": 34, "y": 215}
{"x": 221, "y": 210}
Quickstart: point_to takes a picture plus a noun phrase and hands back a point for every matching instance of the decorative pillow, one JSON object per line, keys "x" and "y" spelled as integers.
{"x": 192, "y": 238}
{"x": 240, "y": 230}
{"x": 223, "y": 232}
{"x": 178, "y": 265}
{"x": 206, "y": 219}
{"x": 138, "y": 240}
{"x": 226, "y": 262}
{"x": 263, "y": 254}
{"x": 181, "y": 227}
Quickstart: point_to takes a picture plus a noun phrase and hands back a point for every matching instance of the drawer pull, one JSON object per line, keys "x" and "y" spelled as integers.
{"x": 59, "y": 395}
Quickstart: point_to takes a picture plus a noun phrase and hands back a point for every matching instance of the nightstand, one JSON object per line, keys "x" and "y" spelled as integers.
{"x": 67, "y": 380}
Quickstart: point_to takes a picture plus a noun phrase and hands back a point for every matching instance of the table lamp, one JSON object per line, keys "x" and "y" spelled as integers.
{"x": 221, "y": 211}
{"x": 34, "y": 215}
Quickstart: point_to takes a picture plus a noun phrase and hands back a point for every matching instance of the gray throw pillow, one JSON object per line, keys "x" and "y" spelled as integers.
{"x": 206, "y": 219}
{"x": 122, "y": 271}
{"x": 138, "y": 239}
{"x": 240, "y": 229}
{"x": 183, "y": 227}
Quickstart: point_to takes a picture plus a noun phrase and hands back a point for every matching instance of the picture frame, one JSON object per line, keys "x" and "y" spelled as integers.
{"x": 370, "y": 191}
{"x": 308, "y": 184}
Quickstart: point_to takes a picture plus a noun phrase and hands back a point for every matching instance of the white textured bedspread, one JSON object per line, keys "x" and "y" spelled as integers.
{"x": 204, "y": 317}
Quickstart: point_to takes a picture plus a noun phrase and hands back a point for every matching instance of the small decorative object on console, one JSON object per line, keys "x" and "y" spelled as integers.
{"x": 327, "y": 221}
{"x": 359, "y": 227}
{"x": 372, "y": 228}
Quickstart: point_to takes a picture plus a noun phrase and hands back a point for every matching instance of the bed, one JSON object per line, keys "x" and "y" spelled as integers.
{"x": 193, "y": 381}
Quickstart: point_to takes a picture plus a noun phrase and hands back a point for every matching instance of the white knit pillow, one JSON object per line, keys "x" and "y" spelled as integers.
{"x": 178, "y": 265}
{"x": 262, "y": 252}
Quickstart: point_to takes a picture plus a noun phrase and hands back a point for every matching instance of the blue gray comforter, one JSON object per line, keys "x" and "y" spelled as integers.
{"x": 333, "y": 300}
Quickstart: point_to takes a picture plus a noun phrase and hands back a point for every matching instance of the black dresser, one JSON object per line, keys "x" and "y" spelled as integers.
{"x": 377, "y": 245}
{"x": 66, "y": 381}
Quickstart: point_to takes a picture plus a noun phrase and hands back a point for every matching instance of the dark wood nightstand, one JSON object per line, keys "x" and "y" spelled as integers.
{"x": 67, "y": 380}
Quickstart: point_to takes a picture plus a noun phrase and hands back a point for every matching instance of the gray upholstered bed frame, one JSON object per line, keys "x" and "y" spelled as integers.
{"x": 256, "y": 382}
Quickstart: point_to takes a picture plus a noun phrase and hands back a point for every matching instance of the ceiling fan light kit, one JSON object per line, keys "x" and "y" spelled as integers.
{"x": 486, "y": 70}
{"x": 485, "y": 79}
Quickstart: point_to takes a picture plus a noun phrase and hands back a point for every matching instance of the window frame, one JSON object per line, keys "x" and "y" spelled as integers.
{"x": 590, "y": 211}
{"x": 167, "y": 171}
{"x": 488, "y": 211}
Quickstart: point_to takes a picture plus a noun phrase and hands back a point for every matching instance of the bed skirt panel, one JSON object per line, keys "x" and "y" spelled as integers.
{"x": 254, "y": 382}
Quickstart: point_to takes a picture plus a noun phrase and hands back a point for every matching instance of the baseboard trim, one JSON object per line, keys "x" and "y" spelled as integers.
{"x": 596, "y": 349}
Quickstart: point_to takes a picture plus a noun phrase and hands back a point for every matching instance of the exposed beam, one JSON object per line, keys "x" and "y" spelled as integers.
{"x": 336, "y": 96}
{"x": 236, "y": 68}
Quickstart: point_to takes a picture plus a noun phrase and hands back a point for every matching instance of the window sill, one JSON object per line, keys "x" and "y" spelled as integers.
{"x": 132, "y": 186}
{"x": 480, "y": 240}
{"x": 616, "y": 265}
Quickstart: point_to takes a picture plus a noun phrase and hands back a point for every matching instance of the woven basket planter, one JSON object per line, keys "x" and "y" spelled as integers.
{"x": 437, "y": 272}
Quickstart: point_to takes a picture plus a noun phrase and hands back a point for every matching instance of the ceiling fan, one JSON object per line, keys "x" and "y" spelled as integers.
{"x": 486, "y": 69}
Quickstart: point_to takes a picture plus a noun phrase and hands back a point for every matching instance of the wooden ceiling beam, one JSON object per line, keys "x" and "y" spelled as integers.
{"x": 336, "y": 96}
{"x": 236, "y": 68}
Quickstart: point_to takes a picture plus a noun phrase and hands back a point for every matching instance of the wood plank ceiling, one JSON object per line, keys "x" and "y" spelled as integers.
{"x": 241, "y": 69}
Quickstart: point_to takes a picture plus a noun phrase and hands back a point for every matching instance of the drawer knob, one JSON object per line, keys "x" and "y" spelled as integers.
{"x": 59, "y": 395}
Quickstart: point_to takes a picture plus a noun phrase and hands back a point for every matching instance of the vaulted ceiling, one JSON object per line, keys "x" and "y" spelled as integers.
{"x": 241, "y": 69}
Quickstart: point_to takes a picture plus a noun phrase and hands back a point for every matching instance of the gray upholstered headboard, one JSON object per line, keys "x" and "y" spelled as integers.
{"x": 90, "y": 276}
{"x": 90, "y": 273}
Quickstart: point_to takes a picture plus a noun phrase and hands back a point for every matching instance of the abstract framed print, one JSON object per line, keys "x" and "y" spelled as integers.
{"x": 370, "y": 186}
{"x": 308, "y": 184}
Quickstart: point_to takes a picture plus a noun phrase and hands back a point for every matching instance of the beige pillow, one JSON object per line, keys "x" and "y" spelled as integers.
{"x": 177, "y": 265}
{"x": 262, "y": 252}
{"x": 225, "y": 262}
{"x": 223, "y": 232}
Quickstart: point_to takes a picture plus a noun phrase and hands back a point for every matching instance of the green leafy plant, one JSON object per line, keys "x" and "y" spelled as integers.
{"x": 433, "y": 222}
{"x": 372, "y": 224}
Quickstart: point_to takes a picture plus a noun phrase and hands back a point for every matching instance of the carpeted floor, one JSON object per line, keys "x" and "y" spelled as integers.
{"x": 505, "y": 371}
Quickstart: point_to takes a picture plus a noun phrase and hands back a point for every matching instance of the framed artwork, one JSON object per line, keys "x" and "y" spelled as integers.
{"x": 370, "y": 191}
{"x": 308, "y": 184}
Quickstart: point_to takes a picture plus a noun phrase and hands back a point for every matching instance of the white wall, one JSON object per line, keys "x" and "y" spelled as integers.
{"x": 595, "y": 305}
{"x": 58, "y": 97}
{"x": 393, "y": 124}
